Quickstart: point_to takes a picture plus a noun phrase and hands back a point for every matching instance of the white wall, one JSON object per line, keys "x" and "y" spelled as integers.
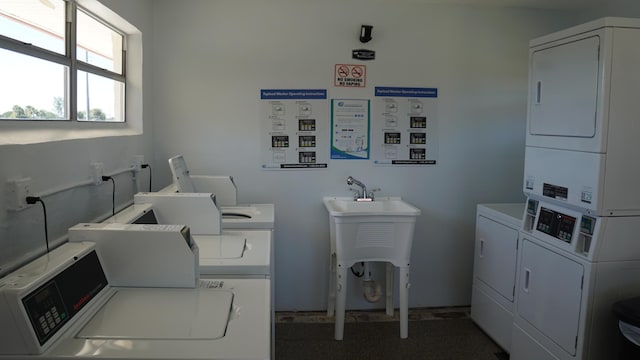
{"x": 211, "y": 58}
{"x": 620, "y": 8}
{"x": 56, "y": 164}
{"x": 205, "y": 62}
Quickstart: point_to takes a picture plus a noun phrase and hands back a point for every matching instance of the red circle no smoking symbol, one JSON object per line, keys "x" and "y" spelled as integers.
{"x": 343, "y": 71}
{"x": 357, "y": 72}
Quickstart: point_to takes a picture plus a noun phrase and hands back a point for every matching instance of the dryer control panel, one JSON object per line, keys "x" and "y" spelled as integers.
{"x": 556, "y": 224}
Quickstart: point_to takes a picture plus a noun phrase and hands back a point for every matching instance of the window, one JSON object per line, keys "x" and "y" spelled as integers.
{"x": 60, "y": 62}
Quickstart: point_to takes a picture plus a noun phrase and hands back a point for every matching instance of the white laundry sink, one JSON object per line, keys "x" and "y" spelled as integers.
{"x": 369, "y": 231}
{"x": 384, "y": 206}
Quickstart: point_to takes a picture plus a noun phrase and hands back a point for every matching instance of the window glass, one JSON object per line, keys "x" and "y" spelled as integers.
{"x": 98, "y": 44}
{"x": 37, "y": 22}
{"x": 36, "y": 70}
{"x": 32, "y": 88}
{"x": 100, "y": 97}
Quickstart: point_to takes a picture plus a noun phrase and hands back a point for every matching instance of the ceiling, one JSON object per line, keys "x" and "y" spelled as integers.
{"x": 540, "y": 4}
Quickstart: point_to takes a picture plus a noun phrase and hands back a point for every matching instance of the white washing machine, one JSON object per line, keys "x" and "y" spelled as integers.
{"x": 572, "y": 268}
{"x": 61, "y": 306}
{"x": 494, "y": 269}
{"x": 233, "y": 253}
{"x": 234, "y": 215}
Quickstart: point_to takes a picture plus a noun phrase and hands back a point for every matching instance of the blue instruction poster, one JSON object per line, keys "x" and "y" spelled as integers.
{"x": 350, "y": 129}
{"x": 294, "y": 129}
{"x": 404, "y": 133}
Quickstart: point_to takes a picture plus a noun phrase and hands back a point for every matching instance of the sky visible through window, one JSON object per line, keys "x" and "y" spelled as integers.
{"x": 29, "y": 81}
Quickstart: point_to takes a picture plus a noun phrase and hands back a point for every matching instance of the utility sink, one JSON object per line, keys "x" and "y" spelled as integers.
{"x": 379, "y": 230}
{"x": 383, "y": 206}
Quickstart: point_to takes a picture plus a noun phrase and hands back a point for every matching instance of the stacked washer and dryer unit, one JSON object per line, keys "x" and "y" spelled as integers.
{"x": 579, "y": 246}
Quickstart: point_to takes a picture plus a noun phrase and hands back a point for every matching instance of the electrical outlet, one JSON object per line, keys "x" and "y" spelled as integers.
{"x": 136, "y": 162}
{"x": 97, "y": 170}
{"x": 17, "y": 192}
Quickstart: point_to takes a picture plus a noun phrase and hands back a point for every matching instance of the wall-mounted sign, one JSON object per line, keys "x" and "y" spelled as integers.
{"x": 294, "y": 129}
{"x": 346, "y": 75}
{"x": 363, "y": 54}
{"x": 405, "y": 133}
{"x": 349, "y": 129}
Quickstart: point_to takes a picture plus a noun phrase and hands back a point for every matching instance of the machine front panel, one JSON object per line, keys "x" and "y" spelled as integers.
{"x": 53, "y": 304}
{"x": 550, "y": 294}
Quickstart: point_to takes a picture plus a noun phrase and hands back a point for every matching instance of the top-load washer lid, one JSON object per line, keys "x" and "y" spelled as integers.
{"x": 248, "y": 216}
{"x": 225, "y": 246}
{"x": 235, "y": 252}
{"x": 161, "y": 314}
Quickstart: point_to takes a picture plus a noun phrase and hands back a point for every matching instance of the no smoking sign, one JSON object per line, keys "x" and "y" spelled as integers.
{"x": 346, "y": 75}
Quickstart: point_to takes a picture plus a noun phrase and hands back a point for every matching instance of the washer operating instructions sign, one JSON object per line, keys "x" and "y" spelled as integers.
{"x": 295, "y": 129}
{"x": 405, "y": 133}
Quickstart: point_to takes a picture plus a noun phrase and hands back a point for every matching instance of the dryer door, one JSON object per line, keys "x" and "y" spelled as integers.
{"x": 550, "y": 294}
{"x": 564, "y": 89}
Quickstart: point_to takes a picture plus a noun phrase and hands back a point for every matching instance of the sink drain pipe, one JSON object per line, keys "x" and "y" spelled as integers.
{"x": 372, "y": 289}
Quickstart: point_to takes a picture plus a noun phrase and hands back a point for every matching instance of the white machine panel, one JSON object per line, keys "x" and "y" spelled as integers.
{"x": 549, "y": 278}
{"x": 197, "y": 210}
{"x": 571, "y": 85}
{"x": 494, "y": 274}
{"x": 495, "y": 261}
{"x": 180, "y": 173}
{"x": 143, "y": 255}
{"x": 565, "y": 88}
{"x": 238, "y": 253}
{"x": 160, "y": 314}
{"x": 221, "y": 186}
{"x": 569, "y": 178}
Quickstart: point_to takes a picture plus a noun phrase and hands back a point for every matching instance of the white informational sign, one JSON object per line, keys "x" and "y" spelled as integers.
{"x": 404, "y": 132}
{"x": 349, "y": 129}
{"x": 294, "y": 129}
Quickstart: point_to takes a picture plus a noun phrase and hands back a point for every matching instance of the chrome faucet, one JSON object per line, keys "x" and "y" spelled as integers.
{"x": 361, "y": 195}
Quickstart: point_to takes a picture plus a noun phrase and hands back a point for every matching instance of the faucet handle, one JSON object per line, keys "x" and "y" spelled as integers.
{"x": 371, "y": 195}
{"x": 356, "y": 193}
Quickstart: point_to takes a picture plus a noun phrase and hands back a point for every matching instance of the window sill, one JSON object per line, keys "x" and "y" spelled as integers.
{"x": 35, "y": 132}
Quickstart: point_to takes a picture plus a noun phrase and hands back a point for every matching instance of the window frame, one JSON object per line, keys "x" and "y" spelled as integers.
{"x": 69, "y": 59}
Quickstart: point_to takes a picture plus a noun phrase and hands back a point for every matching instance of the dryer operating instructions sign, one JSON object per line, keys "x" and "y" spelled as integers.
{"x": 294, "y": 129}
{"x": 405, "y": 132}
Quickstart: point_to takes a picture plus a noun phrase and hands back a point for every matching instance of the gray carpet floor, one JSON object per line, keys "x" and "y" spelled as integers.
{"x": 440, "y": 338}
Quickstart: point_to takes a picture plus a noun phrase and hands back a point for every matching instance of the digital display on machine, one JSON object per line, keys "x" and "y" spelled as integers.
{"x": 53, "y": 304}
{"x": 555, "y": 191}
{"x": 556, "y": 224}
{"x": 587, "y": 225}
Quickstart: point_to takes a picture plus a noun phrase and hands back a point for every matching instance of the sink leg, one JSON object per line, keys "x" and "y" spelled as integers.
{"x": 404, "y": 302}
{"x": 341, "y": 300}
{"x": 331, "y": 302}
{"x": 389, "y": 288}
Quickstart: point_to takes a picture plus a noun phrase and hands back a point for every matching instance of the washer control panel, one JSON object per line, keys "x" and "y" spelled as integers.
{"x": 556, "y": 224}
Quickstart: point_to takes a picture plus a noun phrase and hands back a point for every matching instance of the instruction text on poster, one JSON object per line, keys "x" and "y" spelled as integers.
{"x": 294, "y": 129}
